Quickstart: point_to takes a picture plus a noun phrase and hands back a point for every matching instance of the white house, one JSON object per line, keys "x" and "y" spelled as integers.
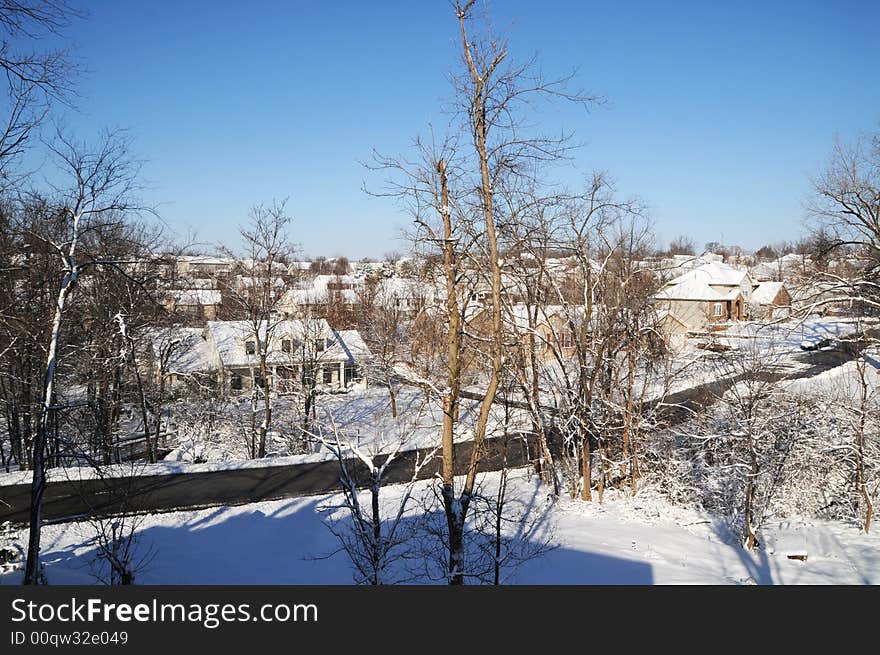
{"x": 335, "y": 357}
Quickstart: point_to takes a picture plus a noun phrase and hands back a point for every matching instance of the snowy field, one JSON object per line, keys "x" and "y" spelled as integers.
{"x": 641, "y": 540}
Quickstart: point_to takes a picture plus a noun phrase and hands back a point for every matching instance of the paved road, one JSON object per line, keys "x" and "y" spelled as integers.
{"x": 70, "y": 500}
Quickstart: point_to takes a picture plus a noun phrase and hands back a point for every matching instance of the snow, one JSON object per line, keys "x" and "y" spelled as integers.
{"x": 785, "y": 337}
{"x": 294, "y": 298}
{"x": 694, "y": 287}
{"x": 164, "y": 467}
{"x": 189, "y": 351}
{"x": 641, "y": 540}
{"x": 697, "y": 284}
{"x": 843, "y": 380}
{"x": 766, "y": 292}
{"x": 365, "y": 417}
{"x": 229, "y": 337}
{"x": 194, "y": 297}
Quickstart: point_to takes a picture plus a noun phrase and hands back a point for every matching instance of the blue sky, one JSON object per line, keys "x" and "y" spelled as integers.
{"x": 716, "y": 113}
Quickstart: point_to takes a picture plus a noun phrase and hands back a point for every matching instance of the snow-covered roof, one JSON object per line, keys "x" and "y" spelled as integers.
{"x": 324, "y": 280}
{"x": 246, "y": 282}
{"x": 665, "y": 314}
{"x": 186, "y": 349}
{"x": 399, "y": 288}
{"x": 697, "y": 284}
{"x": 230, "y": 337}
{"x": 353, "y": 344}
{"x": 305, "y": 297}
{"x": 765, "y": 270}
{"x": 765, "y": 292}
{"x": 206, "y": 260}
{"x": 191, "y": 297}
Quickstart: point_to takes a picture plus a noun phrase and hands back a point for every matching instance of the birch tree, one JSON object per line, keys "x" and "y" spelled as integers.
{"x": 103, "y": 182}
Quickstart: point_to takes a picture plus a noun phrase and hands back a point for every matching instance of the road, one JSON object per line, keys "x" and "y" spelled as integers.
{"x": 71, "y": 500}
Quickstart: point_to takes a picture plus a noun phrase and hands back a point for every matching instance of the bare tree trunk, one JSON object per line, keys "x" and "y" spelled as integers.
{"x": 586, "y": 465}
{"x": 455, "y": 522}
{"x": 861, "y": 477}
{"x": 480, "y": 127}
{"x": 38, "y": 483}
{"x": 267, "y": 402}
{"x": 392, "y": 394}
{"x": 751, "y": 540}
{"x": 159, "y": 402}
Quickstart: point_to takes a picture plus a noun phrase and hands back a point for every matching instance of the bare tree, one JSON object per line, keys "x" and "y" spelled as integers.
{"x": 372, "y": 541}
{"x": 120, "y": 552}
{"x": 752, "y": 435}
{"x": 845, "y": 211}
{"x": 459, "y": 186}
{"x": 256, "y": 297}
{"x": 103, "y": 184}
{"x": 682, "y": 245}
{"x": 34, "y": 75}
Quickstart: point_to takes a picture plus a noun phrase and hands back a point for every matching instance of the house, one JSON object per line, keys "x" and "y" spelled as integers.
{"x": 673, "y": 329}
{"x": 552, "y": 331}
{"x": 300, "y": 303}
{"x": 770, "y": 300}
{"x": 198, "y": 304}
{"x": 709, "y": 294}
{"x": 404, "y": 294}
{"x": 202, "y": 266}
{"x": 178, "y": 353}
{"x": 336, "y": 358}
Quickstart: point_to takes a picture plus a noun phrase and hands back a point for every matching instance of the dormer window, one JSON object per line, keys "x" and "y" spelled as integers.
{"x": 250, "y": 347}
{"x": 286, "y": 346}
{"x": 320, "y": 344}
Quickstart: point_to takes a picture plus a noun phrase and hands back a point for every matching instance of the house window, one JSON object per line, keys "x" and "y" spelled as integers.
{"x": 320, "y": 344}
{"x": 250, "y": 347}
{"x": 566, "y": 339}
{"x": 719, "y": 308}
{"x": 286, "y": 346}
{"x": 235, "y": 381}
{"x": 328, "y": 375}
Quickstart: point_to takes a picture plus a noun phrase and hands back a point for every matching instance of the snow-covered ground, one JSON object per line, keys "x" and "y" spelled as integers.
{"x": 785, "y": 337}
{"x": 641, "y": 540}
{"x": 362, "y": 417}
{"x": 844, "y": 380}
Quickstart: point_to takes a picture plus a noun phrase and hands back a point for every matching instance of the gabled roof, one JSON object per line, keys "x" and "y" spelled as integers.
{"x": 230, "y": 337}
{"x": 766, "y": 292}
{"x": 351, "y": 342}
{"x": 305, "y": 297}
{"x": 697, "y": 284}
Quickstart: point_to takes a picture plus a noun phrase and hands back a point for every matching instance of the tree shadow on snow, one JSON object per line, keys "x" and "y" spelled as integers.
{"x": 293, "y": 545}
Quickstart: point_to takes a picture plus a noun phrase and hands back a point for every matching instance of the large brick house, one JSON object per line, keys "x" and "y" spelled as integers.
{"x": 712, "y": 293}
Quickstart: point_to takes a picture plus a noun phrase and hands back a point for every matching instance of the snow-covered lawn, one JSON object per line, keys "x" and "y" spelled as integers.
{"x": 362, "y": 417}
{"x": 641, "y": 540}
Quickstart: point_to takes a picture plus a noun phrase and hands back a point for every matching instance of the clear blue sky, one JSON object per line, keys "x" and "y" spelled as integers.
{"x": 717, "y": 113}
